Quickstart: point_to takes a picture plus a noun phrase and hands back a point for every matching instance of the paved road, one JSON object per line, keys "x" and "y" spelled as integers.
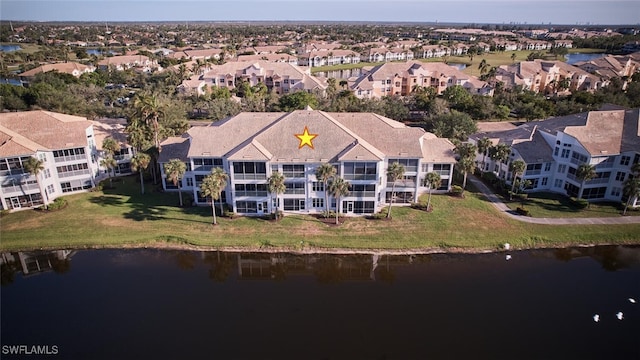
{"x": 495, "y": 200}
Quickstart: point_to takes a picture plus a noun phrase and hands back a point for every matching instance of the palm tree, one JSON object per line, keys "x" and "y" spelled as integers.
{"x": 483, "y": 147}
{"x": 150, "y": 111}
{"x": 276, "y": 187}
{"x": 139, "y": 163}
{"x": 484, "y": 66}
{"x": 212, "y": 186}
{"x": 110, "y": 164}
{"x": 175, "y": 169}
{"x": 339, "y": 187}
{"x": 631, "y": 187}
{"x": 584, "y": 173}
{"x": 466, "y": 155}
{"x": 499, "y": 153}
{"x": 34, "y": 166}
{"x": 433, "y": 181}
{"x": 323, "y": 173}
{"x": 221, "y": 178}
{"x": 395, "y": 172}
{"x": 516, "y": 167}
{"x": 110, "y": 146}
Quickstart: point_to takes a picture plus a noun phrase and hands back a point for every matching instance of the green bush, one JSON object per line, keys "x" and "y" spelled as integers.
{"x": 456, "y": 190}
{"x": 229, "y": 214}
{"x": 580, "y": 203}
{"x": 523, "y": 211}
{"x": 419, "y": 206}
{"x": 58, "y": 204}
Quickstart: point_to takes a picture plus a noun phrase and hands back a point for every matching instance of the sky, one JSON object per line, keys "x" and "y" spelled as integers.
{"x": 610, "y": 12}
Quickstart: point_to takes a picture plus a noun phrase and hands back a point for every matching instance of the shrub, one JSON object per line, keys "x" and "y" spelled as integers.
{"x": 580, "y": 203}
{"x": 522, "y": 211}
{"x": 328, "y": 214}
{"x": 229, "y": 214}
{"x": 419, "y": 206}
{"x": 58, "y": 204}
{"x": 456, "y": 190}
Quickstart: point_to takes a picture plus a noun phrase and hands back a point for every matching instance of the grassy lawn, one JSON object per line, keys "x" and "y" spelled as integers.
{"x": 549, "y": 205}
{"x": 123, "y": 217}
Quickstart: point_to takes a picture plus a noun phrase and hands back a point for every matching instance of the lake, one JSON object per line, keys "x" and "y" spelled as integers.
{"x": 131, "y": 304}
{"x": 10, "y": 48}
{"x": 577, "y": 57}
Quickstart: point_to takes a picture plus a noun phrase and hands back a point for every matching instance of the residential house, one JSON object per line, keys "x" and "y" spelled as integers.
{"x": 431, "y": 51}
{"x": 609, "y": 66}
{"x": 282, "y": 78}
{"x": 553, "y": 149}
{"x": 403, "y": 78}
{"x": 283, "y": 58}
{"x": 251, "y": 146}
{"x": 64, "y": 143}
{"x": 71, "y": 68}
{"x": 137, "y": 62}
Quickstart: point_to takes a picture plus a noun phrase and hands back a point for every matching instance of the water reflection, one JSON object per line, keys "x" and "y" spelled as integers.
{"x": 325, "y": 268}
{"x": 33, "y": 263}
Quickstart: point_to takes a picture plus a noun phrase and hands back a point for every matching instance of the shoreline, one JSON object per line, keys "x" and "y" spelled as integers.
{"x": 315, "y": 250}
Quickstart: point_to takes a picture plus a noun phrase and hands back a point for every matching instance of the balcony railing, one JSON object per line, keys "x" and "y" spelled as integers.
{"x": 12, "y": 172}
{"x": 70, "y": 158}
{"x": 67, "y": 174}
{"x": 361, "y": 194}
{"x": 251, "y": 193}
{"x": 597, "y": 181}
{"x": 533, "y": 172}
{"x": 249, "y": 176}
{"x": 11, "y": 188}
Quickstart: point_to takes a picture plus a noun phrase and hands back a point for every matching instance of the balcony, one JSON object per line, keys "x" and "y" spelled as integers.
{"x": 70, "y": 158}
{"x": 67, "y": 174}
{"x": 362, "y": 194}
{"x": 242, "y": 176}
{"x": 252, "y": 193}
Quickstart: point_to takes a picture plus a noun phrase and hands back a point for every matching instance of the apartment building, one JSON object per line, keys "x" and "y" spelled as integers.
{"x": 251, "y": 146}
{"x": 64, "y": 143}
{"x": 402, "y": 78}
{"x": 553, "y": 149}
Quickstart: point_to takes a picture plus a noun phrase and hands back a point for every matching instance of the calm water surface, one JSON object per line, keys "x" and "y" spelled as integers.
{"x": 133, "y": 304}
{"x": 577, "y": 57}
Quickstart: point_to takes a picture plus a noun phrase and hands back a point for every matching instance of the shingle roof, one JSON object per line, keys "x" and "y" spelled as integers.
{"x": 67, "y": 68}
{"x": 174, "y": 148}
{"x": 340, "y": 136}
{"x": 44, "y": 130}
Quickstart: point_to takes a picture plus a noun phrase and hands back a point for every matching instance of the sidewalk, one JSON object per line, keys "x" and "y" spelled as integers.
{"x": 493, "y": 198}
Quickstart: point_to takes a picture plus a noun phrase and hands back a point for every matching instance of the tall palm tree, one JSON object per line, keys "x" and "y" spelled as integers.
{"x": 500, "y": 153}
{"x": 483, "y": 147}
{"x": 484, "y": 66}
{"x": 139, "y": 163}
{"x": 110, "y": 164}
{"x": 433, "y": 181}
{"x": 110, "y": 146}
{"x": 338, "y": 187}
{"x": 150, "y": 111}
{"x": 175, "y": 169}
{"x": 35, "y": 166}
{"x": 325, "y": 172}
{"x": 584, "y": 173}
{"x": 516, "y": 167}
{"x": 395, "y": 172}
{"x": 212, "y": 186}
{"x": 631, "y": 187}
{"x": 221, "y": 178}
{"x": 466, "y": 154}
{"x": 276, "y": 187}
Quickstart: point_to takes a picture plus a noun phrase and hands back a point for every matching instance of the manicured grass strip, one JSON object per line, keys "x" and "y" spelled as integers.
{"x": 123, "y": 217}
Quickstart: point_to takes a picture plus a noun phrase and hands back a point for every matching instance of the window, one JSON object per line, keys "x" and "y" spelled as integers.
{"x": 294, "y": 188}
{"x": 410, "y": 165}
{"x": 251, "y": 189}
{"x": 293, "y": 204}
{"x": 562, "y": 168}
{"x": 594, "y": 193}
{"x": 364, "y": 207}
{"x": 47, "y": 173}
{"x": 624, "y": 160}
{"x": 73, "y": 170}
{"x": 189, "y": 181}
{"x": 556, "y": 151}
{"x": 360, "y": 171}
{"x": 317, "y": 202}
{"x": 533, "y": 169}
{"x": 317, "y": 186}
{"x": 558, "y": 183}
{"x": 51, "y": 189}
{"x": 68, "y": 154}
{"x": 246, "y": 207}
{"x": 547, "y": 167}
{"x": 620, "y": 176}
{"x": 249, "y": 170}
{"x": 360, "y": 190}
{"x": 565, "y": 153}
{"x": 206, "y": 164}
{"x": 615, "y": 191}
{"x": 544, "y": 181}
{"x": 293, "y": 171}
{"x": 577, "y": 158}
